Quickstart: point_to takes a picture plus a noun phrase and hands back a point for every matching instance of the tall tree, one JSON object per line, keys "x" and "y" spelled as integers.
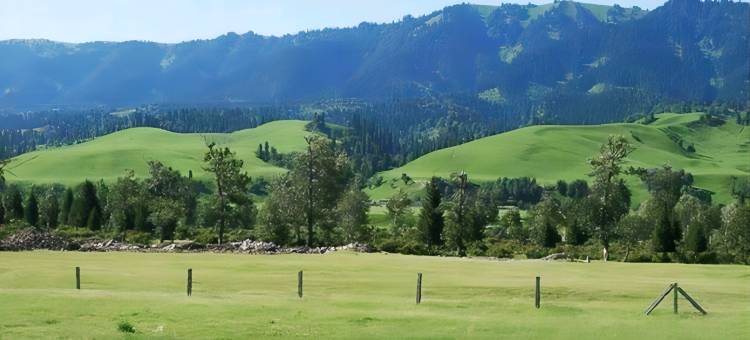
{"x": 49, "y": 211}
{"x": 13, "y": 204}
{"x": 231, "y": 185}
{"x": 352, "y": 212}
{"x": 320, "y": 176}
{"x": 632, "y": 229}
{"x": 609, "y": 197}
{"x": 431, "y": 220}
{"x": 83, "y": 205}
{"x": 544, "y": 219}
{"x": 31, "y": 212}
{"x": 124, "y": 196}
{"x": 282, "y": 213}
{"x": 457, "y": 226}
{"x": 3, "y": 165}
{"x": 66, "y": 206}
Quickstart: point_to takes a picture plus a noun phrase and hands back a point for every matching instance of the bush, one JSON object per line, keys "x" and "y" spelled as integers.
{"x": 12, "y": 228}
{"x": 503, "y": 250}
{"x": 388, "y": 245}
{"x": 536, "y": 252}
{"x": 413, "y": 248}
{"x": 239, "y": 235}
{"x": 138, "y": 238}
{"x": 476, "y": 249}
{"x": 205, "y": 236}
{"x": 76, "y": 233}
{"x": 125, "y": 327}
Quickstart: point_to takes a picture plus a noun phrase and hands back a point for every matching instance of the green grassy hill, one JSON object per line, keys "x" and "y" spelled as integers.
{"x": 109, "y": 156}
{"x": 550, "y": 153}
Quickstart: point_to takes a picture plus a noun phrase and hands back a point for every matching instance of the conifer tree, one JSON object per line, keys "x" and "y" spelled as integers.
{"x": 431, "y": 220}
{"x": 31, "y": 212}
{"x": 66, "y": 206}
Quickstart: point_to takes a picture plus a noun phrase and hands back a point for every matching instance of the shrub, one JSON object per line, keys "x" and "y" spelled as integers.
{"x": 205, "y": 236}
{"x": 536, "y": 252}
{"x": 501, "y": 250}
{"x": 125, "y": 327}
{"x": 138, "y": 238}
{"x": 238, "y": 235}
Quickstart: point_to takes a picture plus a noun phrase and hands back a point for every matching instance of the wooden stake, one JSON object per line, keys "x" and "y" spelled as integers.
{"x": 692, "y": 301}
{"x": 419, "y": 288}
{"x": 299, "y": 284}
{"x": 190, "y": 282}
{"x": 676, "y": 288}
{"x": 78, "y": 277}
{"x": 659, "y": 299}
{"x": 538, "y": 293}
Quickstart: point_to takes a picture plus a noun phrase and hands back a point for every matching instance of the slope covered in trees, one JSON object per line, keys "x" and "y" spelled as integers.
{"x": 712, "y": 154}
{"x": 109, "y": 156}
{"x": 555, "y": 55}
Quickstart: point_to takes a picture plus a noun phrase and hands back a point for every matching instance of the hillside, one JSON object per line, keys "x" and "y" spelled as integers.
{"x": 108, "y": 157}
{"x": 685, "y": 50}
{"x": 550, "y": 153}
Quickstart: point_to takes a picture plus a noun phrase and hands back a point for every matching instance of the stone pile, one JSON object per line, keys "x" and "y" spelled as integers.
{"x": 29, "y": 239}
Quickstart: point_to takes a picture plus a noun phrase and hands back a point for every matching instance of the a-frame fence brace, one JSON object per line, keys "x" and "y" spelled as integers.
{"x": 675, "y": 289}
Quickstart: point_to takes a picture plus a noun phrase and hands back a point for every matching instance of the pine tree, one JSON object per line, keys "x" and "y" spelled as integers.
{"x": 94, "y": 221}
{"x": 431, "y": 220}
{"x": 67, "y": 205}
{"x": 550, "y": 236}
{"x": 663, "y": 237}
{"x": 696, "y": 240}
{"x": 31, "y": 212}
{"x": 2, "y": 213}
{"x": 13, "y": 204}
{"x": 83, "y": 204}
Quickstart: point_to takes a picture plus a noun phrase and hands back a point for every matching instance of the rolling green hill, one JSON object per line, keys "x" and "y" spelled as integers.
{"x": 109, "y": 156}
{"x": 550, "y": 153}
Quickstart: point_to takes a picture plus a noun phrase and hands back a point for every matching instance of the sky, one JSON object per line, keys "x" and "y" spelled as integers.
{"x": 171, "y": 21}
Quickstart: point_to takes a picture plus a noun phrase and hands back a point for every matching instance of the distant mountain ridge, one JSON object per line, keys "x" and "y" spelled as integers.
{"x": 685, "y": 50}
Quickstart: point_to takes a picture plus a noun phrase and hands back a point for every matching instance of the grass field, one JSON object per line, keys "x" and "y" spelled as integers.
{"x": 349, "y": 295}
{"x": 108, "y": 157}
{"x": 550, "y": 153}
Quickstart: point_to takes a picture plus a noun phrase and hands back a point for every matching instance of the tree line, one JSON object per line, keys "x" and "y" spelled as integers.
{"x": 320, "y": 202}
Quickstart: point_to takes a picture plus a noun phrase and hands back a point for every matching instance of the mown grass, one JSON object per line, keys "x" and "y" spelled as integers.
{"x": 108, "y": 157}
{"x": 349, "y": 295}
{"x": 550, "y": 153}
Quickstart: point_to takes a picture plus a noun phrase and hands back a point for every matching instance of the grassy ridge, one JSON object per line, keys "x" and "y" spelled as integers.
{"x": 360, "y": 296}
{"x": 108, "y": 157}
{"x": 550, "y": 153}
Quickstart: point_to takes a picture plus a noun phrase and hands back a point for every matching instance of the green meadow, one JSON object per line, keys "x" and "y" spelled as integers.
{"x": 352, "y": 295}
{"x": 108, "y": 157}
{"x": 551, "y": 153}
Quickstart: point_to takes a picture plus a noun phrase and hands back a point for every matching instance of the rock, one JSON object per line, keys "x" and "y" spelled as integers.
{"x": 555, "y": 257}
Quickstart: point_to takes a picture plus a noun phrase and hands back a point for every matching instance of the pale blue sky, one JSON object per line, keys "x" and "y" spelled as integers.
{"x": 179, "y": 20}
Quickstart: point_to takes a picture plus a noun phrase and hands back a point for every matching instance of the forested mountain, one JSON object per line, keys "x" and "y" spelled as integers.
{"x": 554, "y": 55}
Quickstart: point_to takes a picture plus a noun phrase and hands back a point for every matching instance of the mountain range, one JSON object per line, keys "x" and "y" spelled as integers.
{"x": 685, "y": 50}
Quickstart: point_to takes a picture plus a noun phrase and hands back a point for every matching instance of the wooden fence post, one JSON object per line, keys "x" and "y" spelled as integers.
{"x": 419, "y": 288}
{"x": 676, "y": 288}
{"x": 190, "y": 282}
{"x": 299, "y": 284}
{"x": 538, "y": 293}
{"x": 78, "y": 277}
